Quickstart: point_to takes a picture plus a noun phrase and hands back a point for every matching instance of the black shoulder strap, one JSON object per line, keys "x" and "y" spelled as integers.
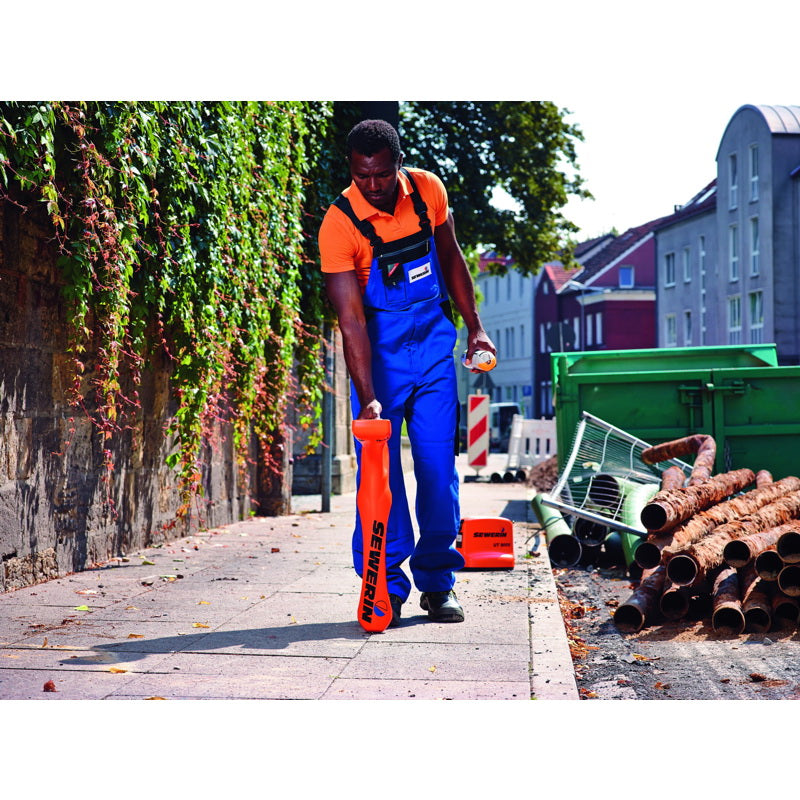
{"x": 366, "y": 228}
{"x": 363, "y": 225}
{"x": 419, "y": 204}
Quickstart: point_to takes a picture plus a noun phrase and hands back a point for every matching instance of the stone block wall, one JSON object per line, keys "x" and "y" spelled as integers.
{"x": 55, "y": 516}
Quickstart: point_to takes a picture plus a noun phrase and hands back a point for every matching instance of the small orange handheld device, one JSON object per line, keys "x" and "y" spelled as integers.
{"x": 374, "y": 500}
{"x": 482, "y": 361}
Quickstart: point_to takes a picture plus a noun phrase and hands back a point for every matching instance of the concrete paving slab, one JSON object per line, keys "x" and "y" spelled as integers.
{"x": 279, "y": 598}
{"x": 378, "y": 689}
{"x": 237, "y": 678}
{"x": 28, "y": 684}
{"x": 435, "y": 661}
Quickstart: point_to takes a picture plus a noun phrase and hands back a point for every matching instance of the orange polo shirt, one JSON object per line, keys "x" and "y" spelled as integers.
{"x": 343, "y": 248}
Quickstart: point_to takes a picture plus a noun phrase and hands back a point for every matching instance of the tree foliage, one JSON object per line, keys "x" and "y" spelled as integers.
{"x": 524, "y": 148}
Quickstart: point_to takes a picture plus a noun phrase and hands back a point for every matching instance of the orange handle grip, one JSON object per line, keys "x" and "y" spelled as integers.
{"x": 374, "y": 500}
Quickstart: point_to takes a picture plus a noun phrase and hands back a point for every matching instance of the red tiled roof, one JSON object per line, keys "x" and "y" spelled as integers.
{"x": 618, "y": 246}
{"x": 558, "y": 275}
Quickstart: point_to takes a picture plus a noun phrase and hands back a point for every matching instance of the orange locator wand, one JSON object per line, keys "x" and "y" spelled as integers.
{"x": 374, "y": 500}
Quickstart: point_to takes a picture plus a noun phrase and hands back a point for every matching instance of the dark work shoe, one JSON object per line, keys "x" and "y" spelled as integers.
{"x": 397, "y": 609}
{"x": 442, "y": 606}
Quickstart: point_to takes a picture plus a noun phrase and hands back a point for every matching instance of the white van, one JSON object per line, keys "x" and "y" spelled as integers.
{"x": 501, "y": 416}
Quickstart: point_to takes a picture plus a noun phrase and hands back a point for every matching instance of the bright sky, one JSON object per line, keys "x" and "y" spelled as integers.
{"x": 652, "y": 90}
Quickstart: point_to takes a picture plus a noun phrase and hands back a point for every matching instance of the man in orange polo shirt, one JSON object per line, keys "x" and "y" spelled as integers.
{"x": 392, "y": 264}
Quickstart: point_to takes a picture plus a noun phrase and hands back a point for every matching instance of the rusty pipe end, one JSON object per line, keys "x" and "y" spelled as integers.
{"x": 736, "y": 553}
{"x": 647, "y": 555}
{"x": 788, "y": 547}
{"x": 786, "y": 609}
{"x": 728, "y": 619}
{"x": 768, "y": 564}
{"x": 682, "y": 570}
{"x": 789, "y": 580}
{"x": 654, "y": 517}
{"x": 629, "y": 618}
{"x": 757, "y": 620}
{"x": 674, "y": 604}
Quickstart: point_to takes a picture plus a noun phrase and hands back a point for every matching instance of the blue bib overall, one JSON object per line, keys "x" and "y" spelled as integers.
{"x": 413, "y": 372}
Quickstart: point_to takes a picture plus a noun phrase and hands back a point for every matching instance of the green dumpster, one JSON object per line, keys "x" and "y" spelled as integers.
{"x": 737, "y": 394}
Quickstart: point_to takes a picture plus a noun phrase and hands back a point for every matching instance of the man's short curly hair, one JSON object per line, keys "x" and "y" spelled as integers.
{"x": 372, "y": 135}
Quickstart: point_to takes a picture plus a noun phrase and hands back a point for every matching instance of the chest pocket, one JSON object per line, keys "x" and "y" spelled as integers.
{"x": 405, "y": 272}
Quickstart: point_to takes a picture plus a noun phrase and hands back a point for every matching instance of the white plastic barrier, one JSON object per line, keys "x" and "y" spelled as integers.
{"x": 531, "y": 442}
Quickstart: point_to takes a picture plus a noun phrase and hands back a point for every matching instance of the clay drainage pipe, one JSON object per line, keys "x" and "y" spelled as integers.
{"x": 789, "y": 580}
{"x": 642, "y": 604}
{"x": 703, "y": 445}
{"x": 768, "y": 564}
{"x": 788, "y": 545}
{"x": 669, "y": 508}
{"x": 727, "y": 616}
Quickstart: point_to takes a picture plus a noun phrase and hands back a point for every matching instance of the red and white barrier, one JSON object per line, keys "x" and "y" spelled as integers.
{"x": 477, "y": 430}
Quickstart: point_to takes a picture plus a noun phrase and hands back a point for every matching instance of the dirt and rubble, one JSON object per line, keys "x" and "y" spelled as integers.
{"x": 692, "y": 657}
{"x": 672, "y": 660}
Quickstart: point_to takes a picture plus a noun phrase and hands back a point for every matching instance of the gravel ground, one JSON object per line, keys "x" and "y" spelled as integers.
{"x": 682, "y": 660}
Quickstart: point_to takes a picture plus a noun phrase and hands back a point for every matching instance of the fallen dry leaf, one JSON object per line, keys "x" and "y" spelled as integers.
{"x": 49, "y": 687}
{"x": 136, "y": 636}
{"x": 116, "y": 670}
{"x": 203, "y": 603}
{"x": 200, "y": 625}
{"x": 757, "y": 677}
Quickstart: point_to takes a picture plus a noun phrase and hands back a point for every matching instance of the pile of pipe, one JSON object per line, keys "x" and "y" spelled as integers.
{"x": 729, "y": 543}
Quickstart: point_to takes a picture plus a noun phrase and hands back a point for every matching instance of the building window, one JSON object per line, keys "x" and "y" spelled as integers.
{"x": 626, "y": 277}
{"x": 756, "y": 323}
{"x": 522, "y": 340}
{"x": 733, "y": 252}
{"x": 546, "y": 288}
{"x": 687, "y": 265}
{"x": 670, "y": 331}
{"x": 576, "y": 326}
{"x": 753, "y": 172}
{"x": 598, "y": 327}
{"x": 543, "y": 337}
{"x": 589, "y": 330}
{"x": 733, "y": 188}
{"x": 669, "y": 269}
{"x": 755, "y": 265}
{"x": 702, "y": 262}
{"x": 735, "y": 320}
{"x": 508, "y": 287}
{"x": 687, "y": 328}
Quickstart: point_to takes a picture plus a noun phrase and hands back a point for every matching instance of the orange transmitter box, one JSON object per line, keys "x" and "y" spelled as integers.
{"x": 486, "y": 543}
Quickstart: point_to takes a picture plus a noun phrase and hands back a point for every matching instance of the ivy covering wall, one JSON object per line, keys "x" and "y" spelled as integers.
{"x": 181, "y": 231}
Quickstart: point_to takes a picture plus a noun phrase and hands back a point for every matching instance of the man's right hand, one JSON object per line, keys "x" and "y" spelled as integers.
{"x": 371, "y": 410}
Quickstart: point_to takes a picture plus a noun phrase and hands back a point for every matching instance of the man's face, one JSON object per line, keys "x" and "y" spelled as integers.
{"x": 375, "y": 177}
